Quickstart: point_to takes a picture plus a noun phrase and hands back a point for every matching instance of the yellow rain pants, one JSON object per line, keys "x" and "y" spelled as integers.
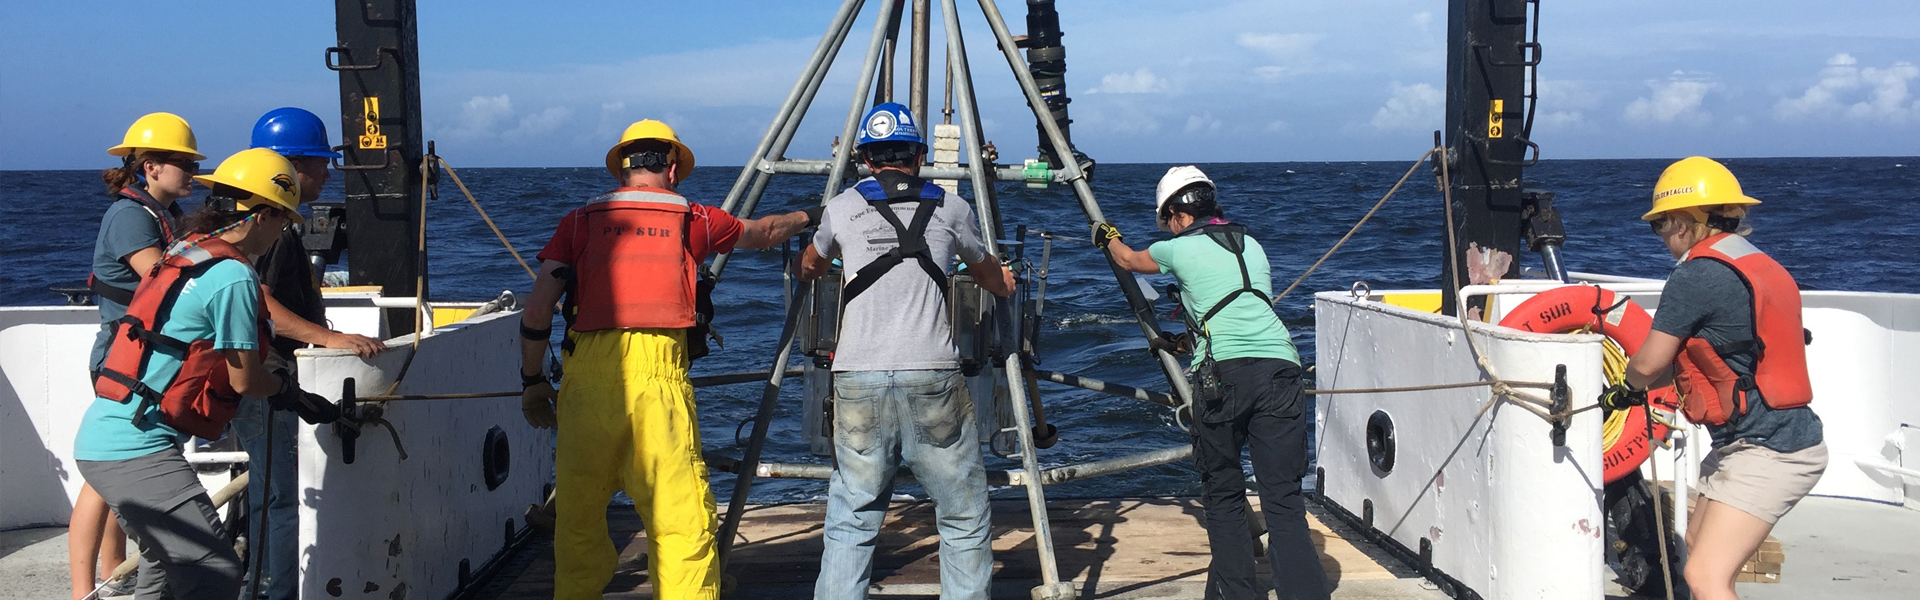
{"x": 627, "y": 422}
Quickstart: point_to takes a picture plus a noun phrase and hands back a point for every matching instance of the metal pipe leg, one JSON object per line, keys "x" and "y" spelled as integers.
{"x": 971, "y": 136}
{"x": 785, "y": 123}
{"x": 918, "y": 55}
{"x": 863, "y": 85}
{"x": 1143, "y": 312}
{"x": 763, "y": 418}
{"x": 823, "y": 55}
{"x": 1051, "y": 588}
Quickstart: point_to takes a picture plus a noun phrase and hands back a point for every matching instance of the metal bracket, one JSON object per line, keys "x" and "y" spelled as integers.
{"x": 379, "y": 58}
{"x": 386, "y": 159}
{"x": 1531, "y": 50}
{"x": 1483, "y": 142}
{"x": 1562, "y": 398}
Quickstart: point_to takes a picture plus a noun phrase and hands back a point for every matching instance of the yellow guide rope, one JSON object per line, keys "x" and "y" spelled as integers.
{"x": 1615, "y": 366}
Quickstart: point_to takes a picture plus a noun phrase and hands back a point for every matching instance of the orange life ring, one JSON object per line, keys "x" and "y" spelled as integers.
{"x": 1576, "y": 307}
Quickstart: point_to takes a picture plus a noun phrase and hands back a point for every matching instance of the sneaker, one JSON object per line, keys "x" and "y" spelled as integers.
{"x": 117, "y": 588}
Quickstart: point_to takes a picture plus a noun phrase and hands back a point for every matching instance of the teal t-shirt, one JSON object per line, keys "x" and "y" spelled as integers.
{"x": 1247, "y": 328}
{"x": 220, "y": 304}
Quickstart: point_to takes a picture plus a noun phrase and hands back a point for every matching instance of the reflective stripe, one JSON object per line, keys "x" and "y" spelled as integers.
{"x": 634, "y": 195}
{"x": 635, "y": 267}
{"x": 1735, "y": 247}
{"x": 191, "y": 252}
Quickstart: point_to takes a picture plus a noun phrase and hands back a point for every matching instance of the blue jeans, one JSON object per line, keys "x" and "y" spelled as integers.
{"x": 276, "y": 496}
{"x": 925, "y": 418}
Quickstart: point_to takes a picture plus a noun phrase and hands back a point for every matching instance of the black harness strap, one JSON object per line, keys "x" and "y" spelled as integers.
{"x": 139, "y": 331}
{"x": 100, "y": 288}
{"x": 1232, "y": 238}
{"x": 911, "y": 242}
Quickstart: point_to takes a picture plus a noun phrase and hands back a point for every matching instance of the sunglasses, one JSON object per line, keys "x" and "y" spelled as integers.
{"x": 186, "y": 164}
{"x": 1662, "y": 225}
{"x": 1192, "y": 194}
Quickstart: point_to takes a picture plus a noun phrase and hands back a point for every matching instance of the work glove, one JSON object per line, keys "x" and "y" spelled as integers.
{"x": 1175, "y": 343}
{"x": 536, "y": 404}
{"x": 813, "y": 215}
{"x": 1104, "y": 233}
{"x": 316, "y": 410}
{"x": 1620, "y": 397}
{"x": 310, "y": 407}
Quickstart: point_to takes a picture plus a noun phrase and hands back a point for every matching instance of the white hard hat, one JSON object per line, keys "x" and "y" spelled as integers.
{"x": 1175, "y": 179}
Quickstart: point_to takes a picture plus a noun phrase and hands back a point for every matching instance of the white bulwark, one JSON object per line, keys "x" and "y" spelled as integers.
{"x": 1490, "y": 503}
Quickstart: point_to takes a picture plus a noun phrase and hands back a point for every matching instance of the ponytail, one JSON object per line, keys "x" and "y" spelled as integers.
{"x": 123, "y": 176}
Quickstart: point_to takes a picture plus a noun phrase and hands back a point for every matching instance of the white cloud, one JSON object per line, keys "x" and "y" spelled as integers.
{"x": 1423, "y": 20}
{"x": 1564, "y": 104}
{"x": 1119, "y": 116}
{"x": 1279, "y": 45}
{"x": 1417, "y": 106}
{"x": 1280, "y": 127}
{"x": 1561, "y": 94}
{"x": 1293, "y": 53}
{"x": 1676, "y": 99}
{"x": 1203, "y": 124}
{"x": 493, "y": 117}
{"x": 1141, "y": 81}
{"x": 480, "y": 117}
{"x": 1870, "y": 94}
{"x": 539, "y": 123}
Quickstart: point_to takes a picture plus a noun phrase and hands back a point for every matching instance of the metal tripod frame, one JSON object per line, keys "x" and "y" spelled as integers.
{"x": 769, "y": 158}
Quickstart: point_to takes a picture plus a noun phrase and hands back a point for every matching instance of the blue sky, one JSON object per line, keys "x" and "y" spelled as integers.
{"x": 551, "y": 84}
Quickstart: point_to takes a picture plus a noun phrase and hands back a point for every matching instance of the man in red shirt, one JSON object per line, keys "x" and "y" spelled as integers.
{"x": 627, "y": 262}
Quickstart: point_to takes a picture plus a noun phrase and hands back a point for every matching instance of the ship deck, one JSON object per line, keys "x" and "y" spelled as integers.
{"x": 1113, "y": 548}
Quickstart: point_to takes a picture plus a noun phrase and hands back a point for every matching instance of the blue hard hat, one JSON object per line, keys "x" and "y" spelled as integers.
{"x": 293, "y": 132}
{"x": 890, "y": 122}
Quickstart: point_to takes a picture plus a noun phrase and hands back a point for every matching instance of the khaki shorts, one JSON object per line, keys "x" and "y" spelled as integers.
{"x": 1760, "y": 481}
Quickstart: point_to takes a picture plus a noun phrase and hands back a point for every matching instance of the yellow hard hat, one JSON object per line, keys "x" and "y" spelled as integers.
{"x": 269, "y": 177}
{"x": 650, "y": 129}
{"x": 159, "y": 131}
{"x": 1695, "y": 181}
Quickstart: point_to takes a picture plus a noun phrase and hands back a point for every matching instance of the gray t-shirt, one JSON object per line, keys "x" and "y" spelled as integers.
{"x": 1707, "y": 299}
{"x": 901, "y": 323}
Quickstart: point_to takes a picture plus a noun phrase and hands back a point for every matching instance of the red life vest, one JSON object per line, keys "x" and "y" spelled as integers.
{"x": 1711, "y": 392}
{"x": 634, "y": 267}
{"x": 199, "y": 400}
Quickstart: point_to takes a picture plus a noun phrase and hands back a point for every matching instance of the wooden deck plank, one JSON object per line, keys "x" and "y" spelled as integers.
{"x": 1119, "y": 545}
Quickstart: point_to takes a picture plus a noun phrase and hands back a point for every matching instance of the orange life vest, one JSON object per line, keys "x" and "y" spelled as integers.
{"x": 1712, "y": 392}
{"x": 635, "y": 268}
{"x": 199, "y": 400}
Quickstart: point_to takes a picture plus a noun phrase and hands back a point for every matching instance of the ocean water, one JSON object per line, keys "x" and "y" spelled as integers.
{"x": 1836, "y": 223}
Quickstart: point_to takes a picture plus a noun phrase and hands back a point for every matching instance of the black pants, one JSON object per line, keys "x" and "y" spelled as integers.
{"x": 1263, "y": 407}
